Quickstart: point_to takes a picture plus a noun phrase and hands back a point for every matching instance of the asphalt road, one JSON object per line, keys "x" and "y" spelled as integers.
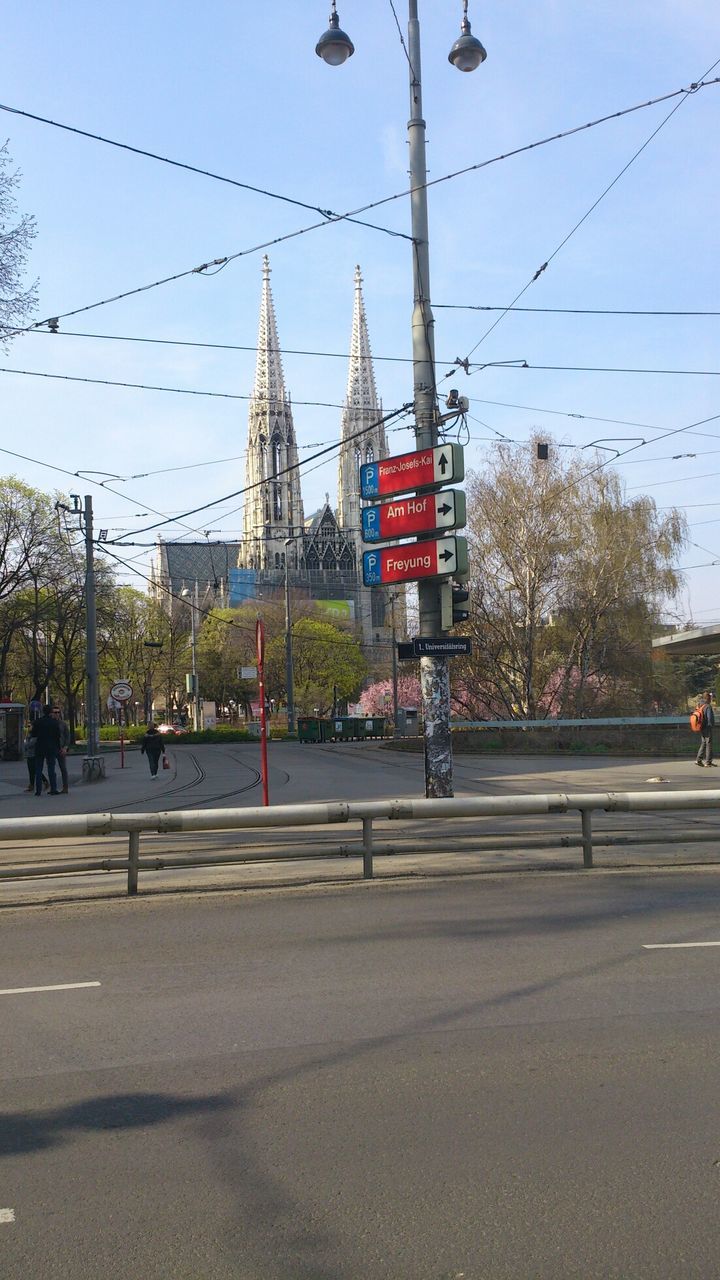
{"x": 487, "y": 1079}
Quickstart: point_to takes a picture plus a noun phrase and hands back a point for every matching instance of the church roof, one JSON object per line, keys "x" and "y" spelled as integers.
{"x": 207, "y": 561}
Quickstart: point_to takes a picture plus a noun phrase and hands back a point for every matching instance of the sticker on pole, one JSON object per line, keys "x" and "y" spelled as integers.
{"x": 121, "y": 691}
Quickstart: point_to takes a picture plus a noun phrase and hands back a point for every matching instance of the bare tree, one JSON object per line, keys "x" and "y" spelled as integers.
{"x": 16, "y": 234}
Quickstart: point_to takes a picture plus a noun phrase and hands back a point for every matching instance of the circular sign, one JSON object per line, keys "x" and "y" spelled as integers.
{"x": 121, "y": 691}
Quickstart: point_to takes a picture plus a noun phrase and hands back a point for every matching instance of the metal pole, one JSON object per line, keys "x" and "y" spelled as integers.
{"x": 196, "y": 700}
{"x": 434, "y": 674}
{"x": 93, "y": 728}
{"x": 133, "y": 855}
{"x": 289, "y": 686}
{"x": 587, "y": 845}
{"x": 394, "y": 667}
{"x": 367, "y": 849}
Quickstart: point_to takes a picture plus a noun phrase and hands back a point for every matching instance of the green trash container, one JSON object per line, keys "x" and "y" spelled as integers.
{"x": 377, "y": 727}
{"x": 309, "y": 729}
{"x": 326, "y": 730}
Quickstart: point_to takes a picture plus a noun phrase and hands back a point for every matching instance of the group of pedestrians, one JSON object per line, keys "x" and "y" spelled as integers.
{"x": 46, "y": 747}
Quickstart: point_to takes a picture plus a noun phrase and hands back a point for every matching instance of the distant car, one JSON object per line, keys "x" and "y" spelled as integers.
{"x": 168, "y": 728}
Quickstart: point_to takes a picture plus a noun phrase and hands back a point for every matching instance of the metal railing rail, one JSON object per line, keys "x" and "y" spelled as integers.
{"x": 310, "y": 815}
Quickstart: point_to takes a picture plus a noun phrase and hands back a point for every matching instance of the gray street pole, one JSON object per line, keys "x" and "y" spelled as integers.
{"x": 193, "y": 638}
{"x": 434, "y": 674}
{"x": 393, "y": 600}
{"x": 93, "y": 766}
{"x": 335, "y": 47}
{"x": 289, "y": 682}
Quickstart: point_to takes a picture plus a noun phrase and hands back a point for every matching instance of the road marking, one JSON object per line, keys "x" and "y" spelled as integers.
{"x": 7, "y": 1215}
{"x": 670, "y": 946}
{"x": 59, "y": 986}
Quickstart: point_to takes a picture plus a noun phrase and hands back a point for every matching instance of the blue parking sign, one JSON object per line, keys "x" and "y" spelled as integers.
{"x": 369, "y": 476}
{"x": 371, "y": 524}
{"x": 372, "y": 569}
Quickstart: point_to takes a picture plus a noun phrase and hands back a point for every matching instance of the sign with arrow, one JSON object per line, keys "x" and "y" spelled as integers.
{"x": 421, "y": 514}
{"x": 413, "y": 560}
{"x": 407, "y": 471}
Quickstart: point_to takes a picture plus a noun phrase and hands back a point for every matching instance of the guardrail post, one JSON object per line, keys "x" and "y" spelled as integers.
{"x": 587, "y": 847}
{"x": 367, "y": 849}
{"x": 133, "y": 855}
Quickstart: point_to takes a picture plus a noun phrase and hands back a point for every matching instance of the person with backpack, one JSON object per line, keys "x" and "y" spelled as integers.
{"x": 153, "y": 747}
{"x": 705, "y": 717}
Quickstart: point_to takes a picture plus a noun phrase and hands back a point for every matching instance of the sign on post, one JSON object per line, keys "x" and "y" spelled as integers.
{"x": 414, "y": 560}
{"x": 121, "y": 691}
{"x": 417, "y": 470}
{"x": 419, "y": 514}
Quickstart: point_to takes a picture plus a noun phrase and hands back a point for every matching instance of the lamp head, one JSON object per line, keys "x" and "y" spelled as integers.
{"x": 334, "y": 47}
{"x": 467, "y": 52}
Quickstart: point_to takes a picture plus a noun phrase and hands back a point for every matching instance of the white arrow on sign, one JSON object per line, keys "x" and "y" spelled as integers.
{"x": 447, "y": 555}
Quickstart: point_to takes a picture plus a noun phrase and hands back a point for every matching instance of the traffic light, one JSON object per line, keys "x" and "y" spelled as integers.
{"x": 460, "y": 598}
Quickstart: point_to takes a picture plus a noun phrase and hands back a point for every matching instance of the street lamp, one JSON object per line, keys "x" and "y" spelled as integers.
{"x": 334, "y": 47}
{"x": 185, "y": 593}
{"x": 466, "y": 54}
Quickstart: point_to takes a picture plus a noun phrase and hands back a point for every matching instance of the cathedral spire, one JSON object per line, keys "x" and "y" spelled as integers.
{"x": 361, "y": 389}
{"x": 269, "y": 382}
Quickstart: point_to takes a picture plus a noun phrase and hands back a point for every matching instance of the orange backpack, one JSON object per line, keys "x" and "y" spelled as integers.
{"x": 696, "y": 719}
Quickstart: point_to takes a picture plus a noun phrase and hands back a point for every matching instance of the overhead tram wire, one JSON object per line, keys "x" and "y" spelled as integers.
{"x": 295, "y": 466}
{"x": 566, "y": 311}
{"x": 191, "y": 168}
{"x": 229, "y": 622}
{"x": 685, "y": 94}
{"x": 374, "y": 204}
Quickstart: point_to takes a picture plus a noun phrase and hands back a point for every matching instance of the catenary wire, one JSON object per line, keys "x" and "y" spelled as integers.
{"x": 223, "y": 261}
{"x": 191, "y": 168}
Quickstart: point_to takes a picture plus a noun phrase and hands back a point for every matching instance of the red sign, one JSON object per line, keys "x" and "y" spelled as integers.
{"x": 420, "y": 514}
{"x": 412, "y": 471}
{"x": 412, "y": 560}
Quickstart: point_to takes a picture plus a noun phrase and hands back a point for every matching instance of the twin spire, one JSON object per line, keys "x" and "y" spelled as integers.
{"x": 269, "y": 381}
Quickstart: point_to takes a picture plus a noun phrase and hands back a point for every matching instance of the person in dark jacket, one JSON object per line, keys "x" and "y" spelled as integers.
{"x": 46, "y": 732}
{"x": 153, "y": 747}
{"x": 64, "y": 744}
{"x": 705, "y": 750}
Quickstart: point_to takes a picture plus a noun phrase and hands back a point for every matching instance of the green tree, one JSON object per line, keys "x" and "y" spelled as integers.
{"x": 569, "y": 579}
{"x": 325, "y": 659}
{"x": 16, "y": 235}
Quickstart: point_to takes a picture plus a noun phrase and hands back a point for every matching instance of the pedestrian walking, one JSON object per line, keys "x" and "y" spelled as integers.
{"x": 30, "y": 761}
{"x": 46, "y": 732}
{"x": 64, "y": 744}
{"x": 153, "y": 747}
{"x": 705, "y": 751}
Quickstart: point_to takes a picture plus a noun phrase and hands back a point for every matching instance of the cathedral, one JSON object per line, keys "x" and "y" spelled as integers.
{"x": 324, "y": 550}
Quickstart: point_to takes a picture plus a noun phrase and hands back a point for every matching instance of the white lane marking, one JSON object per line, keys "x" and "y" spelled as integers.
{"x": 7, "y": 1215}
{"x": 671, "y": 946}
{"x": 59, "y": 986}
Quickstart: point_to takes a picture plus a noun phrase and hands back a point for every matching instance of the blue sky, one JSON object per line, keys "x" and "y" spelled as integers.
{"x": 237, "y": 89}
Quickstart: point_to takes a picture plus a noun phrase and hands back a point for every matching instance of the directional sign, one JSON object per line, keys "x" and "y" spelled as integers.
{"x": 412, "y": 471}
{"x": 121, "y": 691}
{"x": 420, "y": 514}
{"x": 413, "y": 560}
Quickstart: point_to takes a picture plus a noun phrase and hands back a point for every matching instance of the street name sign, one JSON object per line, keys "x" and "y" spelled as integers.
{"x": 442, "y": 647}
{"x": 419, "y": 514}
{"x": 413, "y": 560}
{"x": 440, "y": 465}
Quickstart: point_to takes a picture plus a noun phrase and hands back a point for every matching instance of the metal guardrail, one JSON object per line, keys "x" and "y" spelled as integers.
{"x": 311, "y": 815}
